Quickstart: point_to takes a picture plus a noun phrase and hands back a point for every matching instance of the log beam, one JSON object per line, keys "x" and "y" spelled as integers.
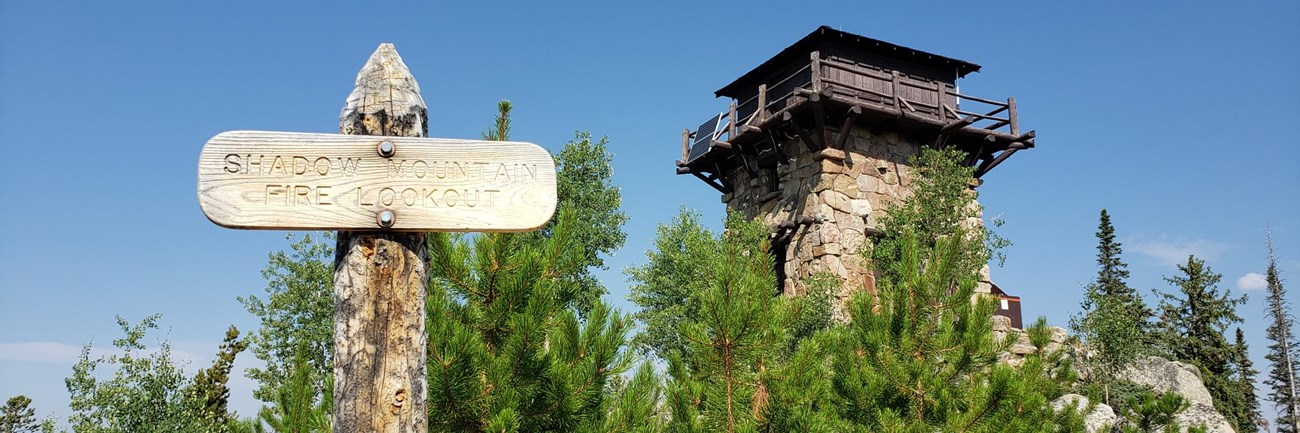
{"x": 804, "y": 134}
{"x": 712, "y": 182}
{"x": 849, "y": 117}
{"x": 989, "y": 166}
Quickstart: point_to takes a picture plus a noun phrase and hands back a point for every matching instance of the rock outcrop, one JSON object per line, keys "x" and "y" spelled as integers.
{"x": 1020, "y": 345}
{"x": 1098, "y": 419}
{"x": 1160, "y": 374}
{"x": 1169, "y": 376}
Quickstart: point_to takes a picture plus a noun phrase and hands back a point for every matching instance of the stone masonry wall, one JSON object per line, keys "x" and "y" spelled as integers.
{"x": 845, "y": 197}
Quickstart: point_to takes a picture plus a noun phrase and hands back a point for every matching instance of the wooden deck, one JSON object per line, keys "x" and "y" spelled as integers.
{"x": 836, "y": 92}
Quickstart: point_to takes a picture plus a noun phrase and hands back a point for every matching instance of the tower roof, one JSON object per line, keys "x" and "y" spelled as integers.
{"x": 824, "y": 36}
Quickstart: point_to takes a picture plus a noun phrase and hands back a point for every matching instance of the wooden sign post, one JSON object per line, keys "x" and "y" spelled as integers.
{"x": 382, "y": 185}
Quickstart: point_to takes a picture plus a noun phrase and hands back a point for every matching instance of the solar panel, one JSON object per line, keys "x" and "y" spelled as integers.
{"x": 707, "y": 129}
{"x": 704, "y": 137}
{"x": 697, "y": 150}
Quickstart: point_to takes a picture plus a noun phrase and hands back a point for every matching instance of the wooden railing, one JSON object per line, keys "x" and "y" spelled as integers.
{"x": 857, "y": 84}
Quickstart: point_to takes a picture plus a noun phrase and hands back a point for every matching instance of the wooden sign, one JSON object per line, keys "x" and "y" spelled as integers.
{"x": 297, "y": 181}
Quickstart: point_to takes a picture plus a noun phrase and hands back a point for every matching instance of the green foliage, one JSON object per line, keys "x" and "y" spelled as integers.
{"x": 299, "y": 406}
{"x": 1112, "y": 339}
{"x": 525, "y": 344}
{"x": 920, "y": 356}
{"x": 940, "y": 205}
{"x": 210, "y": 389}
{"x": 1241, "y": 400}
{"x": 246, "y": 425}
{"x": 147, "y": 391}
{"x": 513, "y": 354}
{"x": 1149, "y": 412}
{"x": 584, "y": 186}
{"x": 752, "y": 361}
{"x": 634, "y": 407}
{"x": 17, "y": 416}
{"x": 733, "y": 339}
{"x": 812, "y": 311}
{"x": 298, "y": 312}
{"x": 667, "y": 286}
{"x": 1282, "y": 372}
{"x": 1110, "y": 282}
{"x": 1192, "y": 327}
{"x": 501, "y": 125}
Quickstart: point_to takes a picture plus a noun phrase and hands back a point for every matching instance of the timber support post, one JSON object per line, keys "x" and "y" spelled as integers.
{"x": 381, "y": 278}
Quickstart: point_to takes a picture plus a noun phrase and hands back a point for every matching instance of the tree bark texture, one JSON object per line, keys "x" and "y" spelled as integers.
{"x": 381, "y": 279}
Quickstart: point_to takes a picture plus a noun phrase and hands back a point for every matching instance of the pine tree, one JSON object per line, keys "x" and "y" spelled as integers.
{"x": 1281, "y": 351}
{"x": 514, "y": 350}
{"x": 919, "y": 355}
{"x": 734, "y": 338}
{"x": 741, "y": 368}
{"x": 1196, "y": 319}
{"x": 922, "y": 357}
{"x": 17, "y": 416}
{"x": 299, "y": 405}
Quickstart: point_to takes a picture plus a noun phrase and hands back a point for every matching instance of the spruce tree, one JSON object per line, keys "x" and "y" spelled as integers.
{"x": 1242, "y": 401}
{"x": 1196, "y": 319}
{"x": 1112, "y": 275}
{"x": 1282, "y": 372}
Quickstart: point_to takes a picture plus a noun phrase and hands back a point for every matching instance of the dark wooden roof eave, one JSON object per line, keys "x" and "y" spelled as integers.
{"x": 801, "y": 48}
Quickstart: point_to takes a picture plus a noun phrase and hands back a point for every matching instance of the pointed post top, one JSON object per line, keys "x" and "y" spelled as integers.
{"x": 384, "y": 84}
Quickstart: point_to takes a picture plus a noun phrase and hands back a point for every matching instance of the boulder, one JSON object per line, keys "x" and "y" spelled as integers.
{"x": 1164, "y": 375}
{"x": 1098, "y": 419}
{"x": 1203, "y": 414}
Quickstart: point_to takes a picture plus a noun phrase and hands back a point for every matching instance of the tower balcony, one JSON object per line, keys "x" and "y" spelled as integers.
{"x": 831, "y": 81}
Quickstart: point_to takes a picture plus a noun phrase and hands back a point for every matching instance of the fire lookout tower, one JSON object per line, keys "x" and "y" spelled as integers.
{"x": 816, "y": 142}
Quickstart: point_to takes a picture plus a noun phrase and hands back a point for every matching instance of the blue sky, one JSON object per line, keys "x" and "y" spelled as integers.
{"x": 1175, "y": 116}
